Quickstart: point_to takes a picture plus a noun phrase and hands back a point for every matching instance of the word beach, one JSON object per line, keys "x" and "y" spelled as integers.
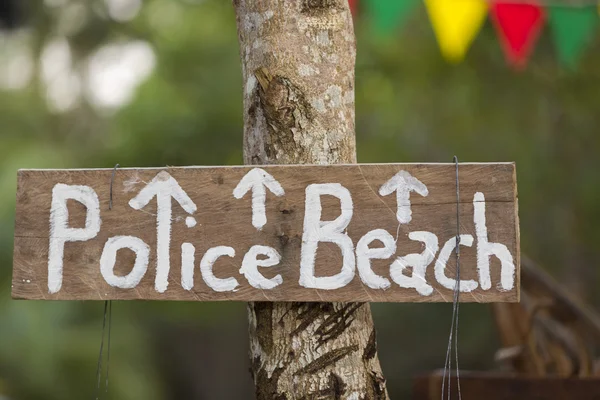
{"x": 366, "y": 232}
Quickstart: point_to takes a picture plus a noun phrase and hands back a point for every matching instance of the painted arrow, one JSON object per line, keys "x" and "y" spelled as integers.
{"x": 164, "y": 187}
{"x": 258, "y": 180}
{"x": 403, "y": 183}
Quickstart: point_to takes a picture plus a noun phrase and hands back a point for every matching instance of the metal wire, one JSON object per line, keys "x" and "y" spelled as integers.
{"x": 112, "y": 179}
{"x": 107, "y": 313}
{"x": 108, "y": 348}
{"x": 455, "y": 307}
{"x": 99, "y": 367}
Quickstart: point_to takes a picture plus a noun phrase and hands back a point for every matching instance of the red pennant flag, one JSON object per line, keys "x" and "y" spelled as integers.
{"x": 353, "y": 7}
{"x": 518, "y": 26}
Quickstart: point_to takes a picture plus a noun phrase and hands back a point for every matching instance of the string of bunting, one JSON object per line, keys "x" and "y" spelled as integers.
{"x": 456, "y": 23}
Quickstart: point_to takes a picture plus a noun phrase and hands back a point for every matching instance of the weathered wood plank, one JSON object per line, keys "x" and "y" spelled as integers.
{"x": 223, "y": 220}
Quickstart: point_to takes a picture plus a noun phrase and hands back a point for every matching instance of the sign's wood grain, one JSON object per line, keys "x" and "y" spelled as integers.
{"x": 267, "y": 216}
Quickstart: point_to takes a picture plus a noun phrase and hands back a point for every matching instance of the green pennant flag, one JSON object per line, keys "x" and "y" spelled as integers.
{"x": 573, "y": 28}
{"x": 389, "y": 14}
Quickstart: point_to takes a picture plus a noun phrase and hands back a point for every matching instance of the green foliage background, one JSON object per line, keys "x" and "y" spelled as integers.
{"x": 411, "y": 106}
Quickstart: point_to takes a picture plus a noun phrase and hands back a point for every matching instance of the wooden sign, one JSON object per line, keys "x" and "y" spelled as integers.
{"x": 379, "y": 232}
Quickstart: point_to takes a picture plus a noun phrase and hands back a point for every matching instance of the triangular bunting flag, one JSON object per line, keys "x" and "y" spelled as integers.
{"x": 353, "y": 7}
{"x": 572, "y": 28}
{"x": 389, "y": 14}
{"x": 455, "y": 23}
{"x": 518, "y": 26}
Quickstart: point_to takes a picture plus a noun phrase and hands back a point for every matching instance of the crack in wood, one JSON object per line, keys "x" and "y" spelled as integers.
{"x": 375, "y": 387}
{"x": 371, "y": 347}
{"x": 312, "y": 313}
{"x": 326, "y": 360}
{"x": 336, "y": 323}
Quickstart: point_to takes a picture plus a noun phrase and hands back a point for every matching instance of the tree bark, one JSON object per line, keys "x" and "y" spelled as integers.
{"x": 298, "y": 66}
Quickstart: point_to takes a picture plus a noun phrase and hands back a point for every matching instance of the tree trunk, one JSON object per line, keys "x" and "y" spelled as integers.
{"x": 298, "y": 66}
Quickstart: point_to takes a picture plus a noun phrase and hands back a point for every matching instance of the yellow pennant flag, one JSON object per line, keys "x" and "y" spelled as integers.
{"x": 455, "y": 23}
